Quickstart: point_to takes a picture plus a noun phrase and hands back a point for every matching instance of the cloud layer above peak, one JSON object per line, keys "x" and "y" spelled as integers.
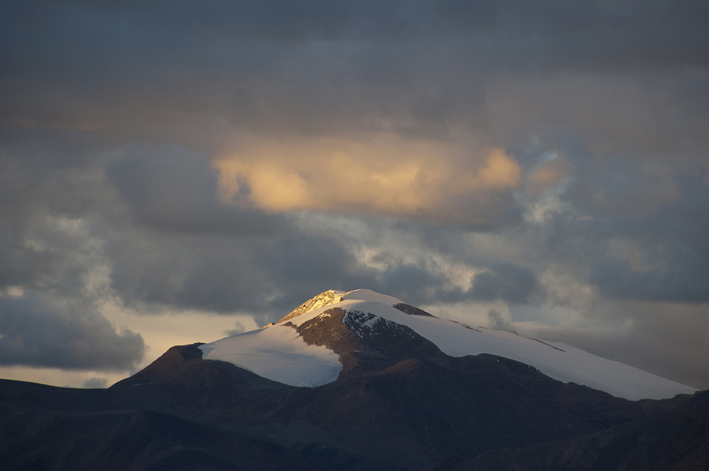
{"x": 432, "y": 181}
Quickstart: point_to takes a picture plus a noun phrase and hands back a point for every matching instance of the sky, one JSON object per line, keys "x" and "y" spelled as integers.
{"x": 176, "y": 172}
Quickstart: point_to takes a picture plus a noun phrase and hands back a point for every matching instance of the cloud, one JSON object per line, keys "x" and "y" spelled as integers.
{"x": 43, "y": 331}
{"x": 174, "y": 190}
{"x": 52, "y": 271}
{"x": 497, "y": 321}
{"x": 238, "y": 329}
{"x": 655, "y": 255}
{"x": 158, "y": 272}
{"x": 548, "y": 175}
{"x": 95, "y": 383}
{"x": 384, "y": 175}
{"x": 507, "y": 281}
{"x": 197, "y": 76}
{"x": 684, "y": 279}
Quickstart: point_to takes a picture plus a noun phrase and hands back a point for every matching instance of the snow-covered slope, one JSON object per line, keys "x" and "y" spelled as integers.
{"x": 279, "y": 352}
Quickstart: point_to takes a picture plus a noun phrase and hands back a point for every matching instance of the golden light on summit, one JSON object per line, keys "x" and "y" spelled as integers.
{"x": 383, "y": 175}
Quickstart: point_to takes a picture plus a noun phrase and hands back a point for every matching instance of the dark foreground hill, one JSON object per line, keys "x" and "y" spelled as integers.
{"x": 676, "y": 440}
{"x": 402, "y": 412}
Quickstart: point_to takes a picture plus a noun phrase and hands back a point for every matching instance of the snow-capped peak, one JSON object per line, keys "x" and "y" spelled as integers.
{"x": 281, "y": 352}
{"x": 323, "y": 299}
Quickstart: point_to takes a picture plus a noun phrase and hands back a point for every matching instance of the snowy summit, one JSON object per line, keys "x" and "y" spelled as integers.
{"x": 336, "y": 329}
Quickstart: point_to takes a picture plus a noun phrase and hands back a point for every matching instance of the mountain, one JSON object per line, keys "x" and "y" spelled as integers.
{"x": 357, "y": 381}
{"x": 677, "y": 440}
{"x": 335, "y": 332}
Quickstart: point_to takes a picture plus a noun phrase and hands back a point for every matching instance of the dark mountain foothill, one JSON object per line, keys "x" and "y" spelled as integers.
{"x": 676, "y": 440}
{"x": 399, "y": 404}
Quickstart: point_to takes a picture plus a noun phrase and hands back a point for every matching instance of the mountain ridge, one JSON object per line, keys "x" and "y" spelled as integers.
{"x": 399, "y": 402}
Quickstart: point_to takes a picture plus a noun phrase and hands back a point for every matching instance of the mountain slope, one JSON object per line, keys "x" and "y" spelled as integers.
{"x": 284, "y": 352}
{"x": 416, "y": 413}
{"x": 397, "y": 404}
{"x": 407, "y": 416}
{"x": 140, "y": 441}
{"x": 677, "y": 440}
{"x": 398, "y": 401}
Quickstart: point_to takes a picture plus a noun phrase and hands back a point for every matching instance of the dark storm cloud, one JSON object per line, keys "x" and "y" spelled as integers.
{"x": 422, "y": 283}
{"x": 47, "y": 182}
{"x": 43, "y": 178}
{"x": 412, "y": 283}
{"x": 155, "y": 271}
{"x": 263, "y": 278}
{"x": 685, "y": 281}
{"x": 672, "y": 243}
{"x": 163, "y": 271}
{"x": 642, "y": 235}
{"x": 41, "y": 331}
{"x": 187, "y": 72}
{"x": 174, "y": 190}
{"x": 329, "y": 261}
{"x": 505, "y": 281}
{"x": 297, "y": 263}
{"x": 655, "y": 29}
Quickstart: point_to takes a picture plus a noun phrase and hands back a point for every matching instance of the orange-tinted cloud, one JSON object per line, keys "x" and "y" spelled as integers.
{"x": 548, "y": 175}
{"x": 499, "y": 171}
{"x": 377, "y": 175}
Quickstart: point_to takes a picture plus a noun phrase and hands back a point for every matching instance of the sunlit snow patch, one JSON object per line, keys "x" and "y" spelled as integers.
{"x": 277, "y": 353}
